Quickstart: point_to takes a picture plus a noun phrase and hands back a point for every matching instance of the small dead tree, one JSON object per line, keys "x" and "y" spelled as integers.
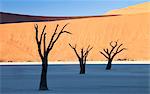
{"x": 82, "y": 57}
{"x": 115, "y": 49}
{"x": 46, "y": 50}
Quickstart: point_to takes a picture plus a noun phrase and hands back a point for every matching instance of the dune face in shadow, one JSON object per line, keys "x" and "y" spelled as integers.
{"x": 17, "y": 40}
{"x": 19, "y": 18}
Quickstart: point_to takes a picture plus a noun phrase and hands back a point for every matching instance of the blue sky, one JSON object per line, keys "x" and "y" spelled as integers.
{"x": 64, "y": 7}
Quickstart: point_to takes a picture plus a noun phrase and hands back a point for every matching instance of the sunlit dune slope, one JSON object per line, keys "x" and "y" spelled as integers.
{"x": 17, "y": 41}
{"x": 139, "y": 8}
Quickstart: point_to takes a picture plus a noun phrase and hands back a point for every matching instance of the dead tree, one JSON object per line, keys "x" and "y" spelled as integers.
{"x": 82, "y": 57}
{"x": 115, "y": 49}
{"x": 44, "y": 55}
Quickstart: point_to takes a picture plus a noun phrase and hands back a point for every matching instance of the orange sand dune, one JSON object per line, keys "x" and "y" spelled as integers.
{"x": 139, "y": 8}
{"x": 17, "y": 41}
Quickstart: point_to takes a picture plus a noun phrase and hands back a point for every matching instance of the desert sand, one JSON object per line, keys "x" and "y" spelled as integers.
{"x": 139, "y": 8}
{"x": 17, "y": 40}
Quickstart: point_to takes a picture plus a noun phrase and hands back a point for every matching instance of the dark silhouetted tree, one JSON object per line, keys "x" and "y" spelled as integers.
{"x": 115, "y": 49}
{"x": 46, "y": 50}
{"x": 82, "y": 57}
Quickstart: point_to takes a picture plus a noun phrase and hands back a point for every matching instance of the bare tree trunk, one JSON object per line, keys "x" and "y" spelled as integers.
{"x": 43, "y": 82}
{"x": 82, "y": 59}
{"x": 82, "y": 67}
{"x": 46, "y": 50}
{"x": 108, "y": 67}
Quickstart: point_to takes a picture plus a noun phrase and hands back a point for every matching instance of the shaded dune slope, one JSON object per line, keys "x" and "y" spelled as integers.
{"x": 19, "y": 18}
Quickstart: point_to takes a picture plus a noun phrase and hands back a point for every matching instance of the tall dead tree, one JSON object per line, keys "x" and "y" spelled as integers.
{"x": 115, "y": 49}
{"x": 82, "y": 57}
{"x": 44, "y": 55}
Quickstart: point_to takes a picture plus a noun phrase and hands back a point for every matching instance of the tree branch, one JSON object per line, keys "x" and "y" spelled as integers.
{"x": 113, "y": 47}
{"x": 87, "y": 51}
{"x": 112, "y": 53}
{"x": 44, "y": 43}
{"x": 118, "y": 52}
{"x": 106, "y": 51}
{"x": 118, "y": 47}
{"x": 38, "y": 43}
{"x": 36, "y": 29}
{"x": 74, "y": 48}
{"x": 104, "y": 54}
{"x": 51, "y": 40}
{"x": 64, "y": 27}
{"x": 86, "y": 54}
{"x": 66, "y": 32}
{"x": 42, "y": 34}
